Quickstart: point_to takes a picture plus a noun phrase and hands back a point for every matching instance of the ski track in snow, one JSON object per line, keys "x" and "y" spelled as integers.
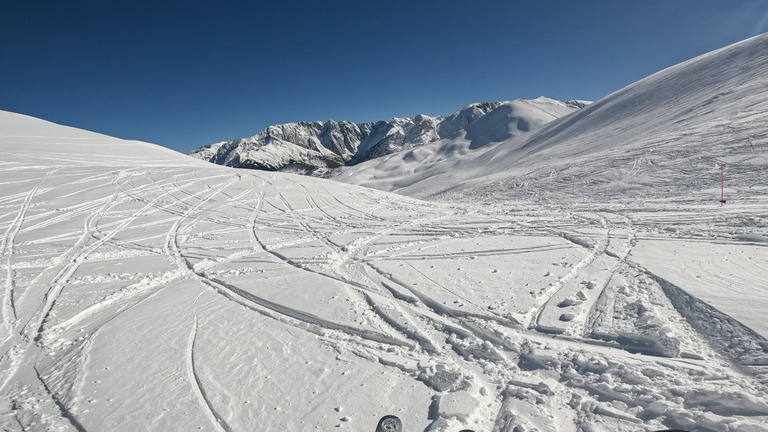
{"x": 215, "y": 418}
{"x": 296, "y": 227}
{"x": 545, "y": 301}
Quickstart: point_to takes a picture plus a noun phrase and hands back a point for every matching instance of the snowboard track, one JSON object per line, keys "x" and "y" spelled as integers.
{"x": 216, "y": 419}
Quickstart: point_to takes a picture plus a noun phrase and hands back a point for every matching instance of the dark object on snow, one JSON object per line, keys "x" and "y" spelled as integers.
{"x": 389, "y": 423}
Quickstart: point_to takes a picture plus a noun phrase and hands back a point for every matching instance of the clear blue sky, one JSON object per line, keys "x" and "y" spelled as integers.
{"x": 189, "y": 73}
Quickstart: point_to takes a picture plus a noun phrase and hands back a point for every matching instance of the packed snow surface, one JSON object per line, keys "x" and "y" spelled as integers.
{"x": 146, "y": 290}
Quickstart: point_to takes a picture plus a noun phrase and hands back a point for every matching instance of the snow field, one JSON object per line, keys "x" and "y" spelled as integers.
{"x": 214, "y": 299}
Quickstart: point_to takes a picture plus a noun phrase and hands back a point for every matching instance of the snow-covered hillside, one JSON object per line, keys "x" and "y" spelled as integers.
{"x": 661, "y": 137}
{"x": 316, "y": 147}
{"x": 146, "y": 290}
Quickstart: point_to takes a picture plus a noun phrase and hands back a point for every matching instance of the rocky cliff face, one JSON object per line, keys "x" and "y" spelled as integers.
{"x": 315, "y": 147}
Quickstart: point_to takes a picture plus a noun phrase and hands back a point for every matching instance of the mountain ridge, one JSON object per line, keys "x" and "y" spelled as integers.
{"x": 315, "y": 147}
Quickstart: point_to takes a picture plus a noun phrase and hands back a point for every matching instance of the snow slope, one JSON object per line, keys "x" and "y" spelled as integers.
{"x": 28, "y": 140}
{"x": 653, "y": 150}
{"x": 465, "y": 135}
{"x": 316, "y": 147}
{"x": 655, "y": 145}
{"x": 146, "y": 290}
{"x": 663, "y": 136}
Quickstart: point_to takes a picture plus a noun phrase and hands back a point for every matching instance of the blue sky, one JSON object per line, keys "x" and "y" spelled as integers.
{"x": 184, "y": 74}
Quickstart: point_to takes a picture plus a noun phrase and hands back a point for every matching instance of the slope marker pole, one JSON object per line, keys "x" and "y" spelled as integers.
{"x": 722, "y": 185}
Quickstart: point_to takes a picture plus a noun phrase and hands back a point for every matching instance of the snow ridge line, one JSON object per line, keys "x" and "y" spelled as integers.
{"x": 727, "y": 335}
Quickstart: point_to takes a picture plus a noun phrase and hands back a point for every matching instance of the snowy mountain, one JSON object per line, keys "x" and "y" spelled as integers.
{"x": 141, "y": 289}
{"x": 663, "y": 136}
{"x": 315, "y": 147}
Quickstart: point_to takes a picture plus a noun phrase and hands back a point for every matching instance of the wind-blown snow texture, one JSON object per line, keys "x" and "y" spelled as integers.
{"x": 316, "y": 147}
{"x": 146, "y": 290}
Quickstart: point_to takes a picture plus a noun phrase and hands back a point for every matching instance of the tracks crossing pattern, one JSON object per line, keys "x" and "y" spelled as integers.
{"x": 382, "y": 273}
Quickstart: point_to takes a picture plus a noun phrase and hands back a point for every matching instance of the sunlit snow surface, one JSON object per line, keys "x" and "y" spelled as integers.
{"x": 146, "y": 290}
